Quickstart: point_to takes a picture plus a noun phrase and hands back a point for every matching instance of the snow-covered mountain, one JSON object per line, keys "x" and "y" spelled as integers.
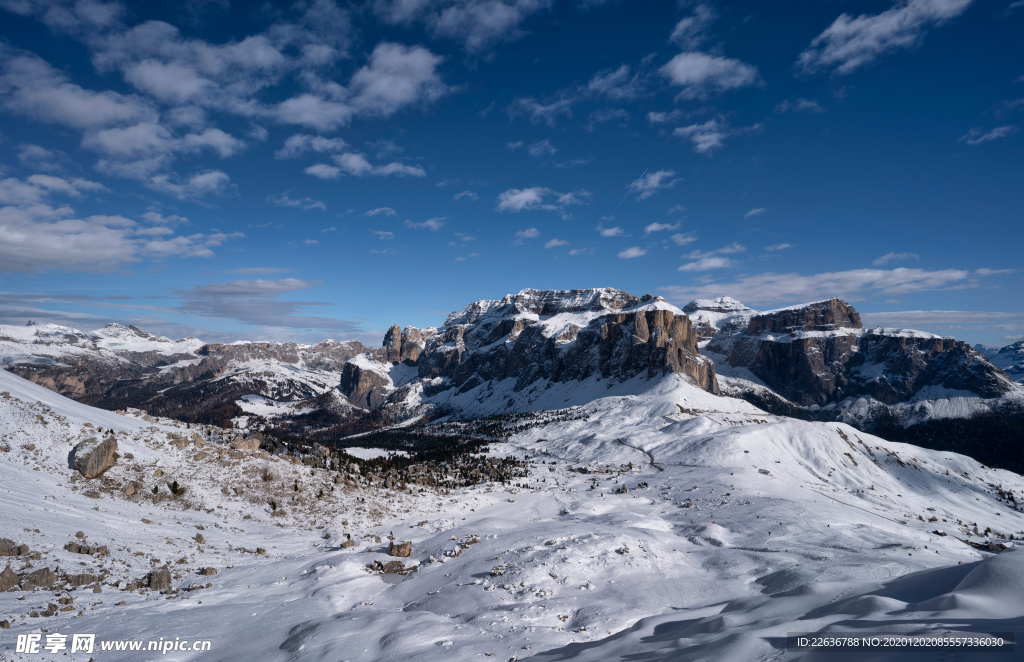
{"x": 1009, "y": 358}
{"x": 530, "y": 350}
{"x": 118, "y": 366}
{"x": 817, "y": 361}
{"x": 669, "y": 524}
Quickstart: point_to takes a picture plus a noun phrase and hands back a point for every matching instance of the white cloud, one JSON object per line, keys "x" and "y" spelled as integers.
{"x": 542, "y": 148}
{"x": 979, "y": 136}
{"x": 37, "y": 157}
{"x": 538, "y": 198}
{"x": 616, "y": 84}
{"x": 663, "y": 117}
{"x": 224, "y": 144}
{"x": 357, "y": 165}
{"x": 799, "y": 106}
{"x": 169, "y": 82}
{"x": 30, "y": 86}
{"x": 631, "y": 252}
{"x": 850, "y": 43}
{"x": 769, "y": 288}
{"x": 757, "y": 211}
{"x": 314, "y": 112}
{"x": 387, "y": 211}
{"x": 432, "y": 224}
{"x": 478, "y": 24}
{"x": 577, "y": 251}
{"x": 538, "y": 112}
{"x": 556, "y": 242}
{"x": 700, "y": 74}
{"x": 38, "y": 237}
{"x": 709, "y": 136}
{"x": 383, "y": 234}
{"x": 283, "y": 200}
{"x": 528, "y": 233}
{"x": 605, "y": 115}
{"x": 778, "y": 247}
{"x": 708, "y": 260}
{"x": 397, "y": 76}
{"x": 707, "y": 263}
{"x": 208, "y": 182}
{"x": 514, "y": 145}
{"x": 652, "y": 182}
{"x": 470, "y": 195}
{"x": 683, "y": 239}
{"x": 323, "y": 171}
{"x": 658, "y": 227}
{"x": 895, "y": 257}
{"x": 610, "y": 232}
{"x": 301, "y": 143}
{"x": 691, "y": 31}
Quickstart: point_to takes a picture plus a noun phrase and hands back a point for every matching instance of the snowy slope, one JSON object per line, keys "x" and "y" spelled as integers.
{"x": 737, "y": 527}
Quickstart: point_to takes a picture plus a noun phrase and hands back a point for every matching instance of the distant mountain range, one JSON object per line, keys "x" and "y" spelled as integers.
{"x": 545, "y": 349}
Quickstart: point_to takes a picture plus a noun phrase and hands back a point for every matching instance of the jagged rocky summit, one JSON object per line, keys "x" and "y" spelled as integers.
{"x": 820, "y": 353}
{"x": 535, "y": 337}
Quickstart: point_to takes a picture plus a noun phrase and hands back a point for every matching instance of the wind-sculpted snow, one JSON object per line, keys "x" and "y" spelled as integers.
{"x": 735, "y": 528}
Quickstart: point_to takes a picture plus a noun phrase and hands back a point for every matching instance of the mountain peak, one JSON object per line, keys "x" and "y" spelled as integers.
{"x": 826, "y": 315}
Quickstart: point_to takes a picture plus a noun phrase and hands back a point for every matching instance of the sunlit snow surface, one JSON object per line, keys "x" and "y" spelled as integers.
{"x": 791, "y": 526}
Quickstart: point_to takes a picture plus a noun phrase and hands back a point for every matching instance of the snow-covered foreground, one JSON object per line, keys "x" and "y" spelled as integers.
{"x": 737, "y": 528}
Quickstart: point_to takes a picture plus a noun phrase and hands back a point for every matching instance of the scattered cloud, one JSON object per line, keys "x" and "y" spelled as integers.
{"x": 605, "y": 115}
{"x": 851, "y": 43}
{"x": 556, "y": 242}
{"x": 774, "y": 288}
{"x": 301, "y": 143}
{"x": 778, "y": 247}
{"x": 692, "y": 31}
{"x": 799, "y": 106}
{"x": 683, "y": 239}
{"x": 652, "y": 182}
{"x": 617, "y": 84}
{"x": 383, "y": 234}
{"x": 700, "y": 75}
{"x": 257, "y": 302}
{"x": 386, "y": 211}
{"x": 357, "y": 165}
{"x": 711, "y": 135}
{"x": 631, "y": 252}
{"x": 708, "y": 260}
{"x": 477, "y": 24}
{"x": 610, "y": 232}
{"x": 895, "y": 257}
{"x": 432, "y": 224}
{"x": 658, "y": 227}
{"x": 39, "y": 236}
{"x": 283, "y": 200}
{"x": 539, "y": 112}
{"x": 541, "y": 149}
{"x": 469, "y": 195}
{"x": 979, "y": 136}
{"x": 755, "y": 212}
{"x": 538, "y": 198}
{"x": 528, "y": 233}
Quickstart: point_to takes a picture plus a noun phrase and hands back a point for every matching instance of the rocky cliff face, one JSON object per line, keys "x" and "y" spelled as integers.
{"x": 820, "y": 353}
{"x": 550, "y": 337}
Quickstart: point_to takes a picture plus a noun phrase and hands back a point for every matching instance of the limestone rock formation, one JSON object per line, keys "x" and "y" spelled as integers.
{"x": 95, "y": 455}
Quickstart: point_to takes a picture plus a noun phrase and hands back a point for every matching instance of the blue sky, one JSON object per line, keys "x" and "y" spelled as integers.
{"x": 323, "y": 169}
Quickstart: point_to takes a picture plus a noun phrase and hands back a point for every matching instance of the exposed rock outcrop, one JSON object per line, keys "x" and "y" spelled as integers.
{"x": 95, "y": 455}
{"x": 535, "y": 337}
{"x": 820, "y": 353}
{"x": 363, "y": 386}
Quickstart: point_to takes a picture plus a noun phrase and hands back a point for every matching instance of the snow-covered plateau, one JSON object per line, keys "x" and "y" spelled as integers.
{"x": 658, "y": 522}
